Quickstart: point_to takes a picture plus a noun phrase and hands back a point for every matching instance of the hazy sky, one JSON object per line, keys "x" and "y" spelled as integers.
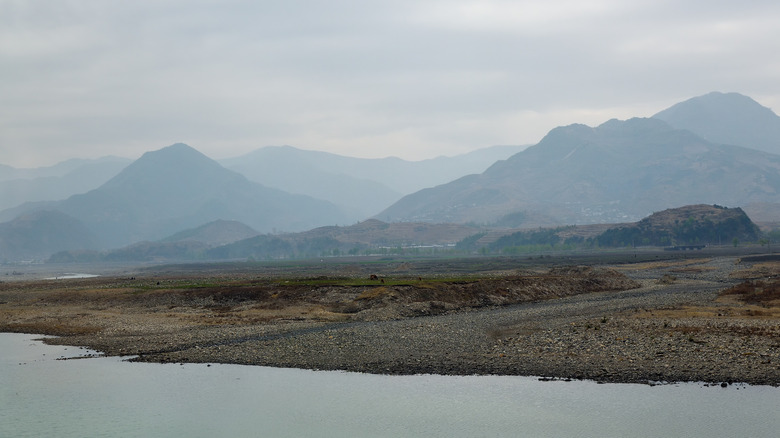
{"x": 413, "y": 79}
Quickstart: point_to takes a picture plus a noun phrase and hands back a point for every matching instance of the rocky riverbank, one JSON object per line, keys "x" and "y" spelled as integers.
{"x": 643, "y": 322}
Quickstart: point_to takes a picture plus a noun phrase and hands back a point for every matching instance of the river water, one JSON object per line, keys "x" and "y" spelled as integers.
{"x": 108, "y": 397}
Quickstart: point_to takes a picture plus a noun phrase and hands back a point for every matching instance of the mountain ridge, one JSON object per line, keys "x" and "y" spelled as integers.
{"x": 177, "y": 187}
{"x": 727, "y": 118}
{"x": 619, "y": 171}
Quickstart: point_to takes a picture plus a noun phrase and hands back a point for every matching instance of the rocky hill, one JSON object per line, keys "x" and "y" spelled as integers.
{"x": 619, "y": 171}
{"x": 689, "y": 225}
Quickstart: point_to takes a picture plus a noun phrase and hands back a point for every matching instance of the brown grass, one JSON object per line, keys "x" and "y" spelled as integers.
{"x": 373, "y": 293}
{"x": 680, "y": 264}
{"x": 765, "y": 293}
{"x": 758, "y": 270}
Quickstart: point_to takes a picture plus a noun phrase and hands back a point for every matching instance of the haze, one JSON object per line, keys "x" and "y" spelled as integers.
{"x": 368, "y": 79}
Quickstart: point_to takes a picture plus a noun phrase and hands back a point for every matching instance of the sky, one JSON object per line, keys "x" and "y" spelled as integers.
{"x": 412, "y": 79}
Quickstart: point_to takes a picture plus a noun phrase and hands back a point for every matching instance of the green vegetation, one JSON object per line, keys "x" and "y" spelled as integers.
{"x": 379, "y": 281}
{"x": 470, "y": 243}
{"x": 510, "y": 220}
{"x": 732, "y": 226}
{"x": 524, "y": 242}
{"x": 542, "y": 236}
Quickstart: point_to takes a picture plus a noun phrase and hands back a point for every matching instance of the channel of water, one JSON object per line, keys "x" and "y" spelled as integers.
{"x": 43, "y": 395}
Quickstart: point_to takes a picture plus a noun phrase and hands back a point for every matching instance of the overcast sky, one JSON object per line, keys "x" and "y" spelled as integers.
{"x": 413, "y": 79}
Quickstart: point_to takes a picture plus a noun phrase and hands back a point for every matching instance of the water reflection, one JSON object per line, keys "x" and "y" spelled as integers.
{"x": 42, "y": 396}
{"x": 68, "y": 276}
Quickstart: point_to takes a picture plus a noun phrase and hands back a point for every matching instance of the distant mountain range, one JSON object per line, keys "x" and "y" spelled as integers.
{"x": 687, "y": 227}
{"x": 200, "y": 243}
{"x": 714, "y": 149}
{"x": 617, "y": 172}
{"x": 53, "y": 183}
{"x": 361, "y": 186}
{"x": 177, "y": 187}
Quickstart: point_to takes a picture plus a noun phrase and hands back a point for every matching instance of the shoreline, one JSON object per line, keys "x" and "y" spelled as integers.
{"x": 93, "y": 354}
{"x": 676, "y": 332}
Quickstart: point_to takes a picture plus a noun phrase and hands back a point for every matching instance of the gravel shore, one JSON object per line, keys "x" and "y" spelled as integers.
{"x": 670, "y": 329}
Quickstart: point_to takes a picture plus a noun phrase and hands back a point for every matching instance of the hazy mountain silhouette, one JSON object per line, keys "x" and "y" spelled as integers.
{"x": 58, "y": 182}
{"x": 360, "y": 185}
{"x": 190, "y": 244}
{"x": 37, "y": 235}
{"x": 729, "y": 118}
{"x": 216, "y": 233}
{"x": 321, "y": 175}
{"x": 620, "y": 171}
{"x": 61, "y": 169}
{"x": 335, "y": 240}
{"x": 176, "y": 188}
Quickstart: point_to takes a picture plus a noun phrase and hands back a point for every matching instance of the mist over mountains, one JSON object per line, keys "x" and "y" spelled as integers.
{"x": 53, "y": 183}
{"x": 177, "y": 187}
{"x": 362, "y": 186}
{"x": 727, "y": 118}
{"x": 713, "y": 149}
{"x": 619, "y": 171}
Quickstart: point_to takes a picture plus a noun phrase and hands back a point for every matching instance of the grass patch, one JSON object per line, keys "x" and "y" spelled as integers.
{"x": 765, "y": 293}
{"x": 379, "y": 282}
{"x": 680, "y": 264}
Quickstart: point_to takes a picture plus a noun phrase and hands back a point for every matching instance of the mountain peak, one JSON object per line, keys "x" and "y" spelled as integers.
{"x": 727, "y": 118}
{"x": 174, "y": 151}
{"x": 178, "y": 163}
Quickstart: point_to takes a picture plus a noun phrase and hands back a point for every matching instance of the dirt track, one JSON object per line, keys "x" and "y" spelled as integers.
{"x": 663, "y": 321}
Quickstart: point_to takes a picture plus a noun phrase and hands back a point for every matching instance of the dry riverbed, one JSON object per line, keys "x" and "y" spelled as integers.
{"x": 692, "y": 319}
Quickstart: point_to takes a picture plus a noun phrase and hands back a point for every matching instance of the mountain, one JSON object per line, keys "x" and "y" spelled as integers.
{"x": 37, "y": 235}
{"x": 61, "y": 169}
{"x": 370, "y": 236}
{"x": 688, "y": 225}
{"x": 728, "y": 118}
{"x": 336, "y": 240}
{"x": 362, "y": 186}
{"x": 71, "y": 177}
{"x": 216, "y": 233}
{"x": 619, "y": 171}
{"x": 177, "y": 188}
{"x": 191, "y": 244}
{"x": 320, "y": 175}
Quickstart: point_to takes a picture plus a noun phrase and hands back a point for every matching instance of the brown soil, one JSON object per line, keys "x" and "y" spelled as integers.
{"x": 100, "y": 305}
{"x": 647, "y": 321}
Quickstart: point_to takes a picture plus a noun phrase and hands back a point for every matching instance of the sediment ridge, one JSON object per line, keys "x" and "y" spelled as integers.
{"x": 646, "y": 322}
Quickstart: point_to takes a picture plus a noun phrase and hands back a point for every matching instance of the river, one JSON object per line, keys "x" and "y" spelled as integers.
{"x": 107, "y": 397}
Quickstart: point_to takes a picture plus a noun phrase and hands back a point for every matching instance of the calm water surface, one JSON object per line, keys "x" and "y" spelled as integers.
{"x": 42, "y": 396}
